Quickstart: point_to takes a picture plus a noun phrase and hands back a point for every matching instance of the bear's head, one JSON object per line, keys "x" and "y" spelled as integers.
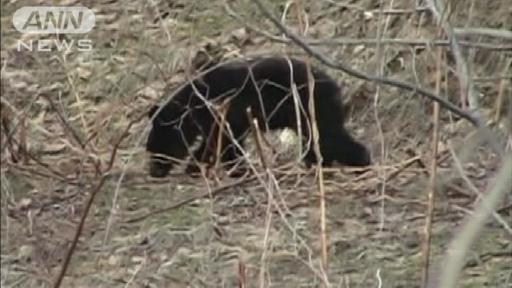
{"x": 354, "y": 154}
{"x": 167, "y": 139}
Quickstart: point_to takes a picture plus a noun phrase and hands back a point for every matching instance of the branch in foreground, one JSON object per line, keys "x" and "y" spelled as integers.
{"x": 381, "y": 80}
{"x": 462, "y": 243}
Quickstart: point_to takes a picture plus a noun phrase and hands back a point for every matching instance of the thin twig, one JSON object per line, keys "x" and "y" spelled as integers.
{"x": 466, "y": 84}
{"x": 20, "y": 117}
{"x": 108, "y": 169}
{"x": 88, "y": 205}
{"x": 270, "y": 191}
{"x": 319, "y": 171}
{"x": 64, "y": 122}
{"x": 480, "y": 31}
{"x": 501, "y": 91}
{"x": 474, "y": 189}
{"x": 433, "y": 175}
{"x": 78, "y": 232}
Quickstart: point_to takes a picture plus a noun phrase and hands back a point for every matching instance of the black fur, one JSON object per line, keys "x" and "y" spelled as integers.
{"x": 263, "y": 85}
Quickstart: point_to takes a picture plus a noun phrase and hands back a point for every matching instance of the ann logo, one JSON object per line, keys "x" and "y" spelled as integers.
{"x": 54, "y": 19}
{"x": 61, "y": 21}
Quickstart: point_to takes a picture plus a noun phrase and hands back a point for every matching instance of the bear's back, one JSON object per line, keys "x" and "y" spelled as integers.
{"x": 227, "y": 77}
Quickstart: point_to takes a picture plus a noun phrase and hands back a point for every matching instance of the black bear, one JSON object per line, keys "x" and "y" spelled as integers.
{"x": 263, "y": 85}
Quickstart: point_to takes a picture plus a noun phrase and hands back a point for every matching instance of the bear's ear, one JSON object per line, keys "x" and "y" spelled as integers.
{"x": 152, "y": 111}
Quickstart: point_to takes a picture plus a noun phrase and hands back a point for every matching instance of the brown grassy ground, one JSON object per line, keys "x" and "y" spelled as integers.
{"x": 63, "y": 113}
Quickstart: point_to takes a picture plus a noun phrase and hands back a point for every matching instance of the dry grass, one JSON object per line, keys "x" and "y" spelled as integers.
{"x": 64, "y": 113}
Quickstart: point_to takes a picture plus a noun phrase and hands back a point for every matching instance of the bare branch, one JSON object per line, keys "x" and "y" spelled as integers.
{"x": 349, "y": 70}
{"x": 462, "y": 243}
{"x": 467, "y": 88}
{"x": 373, "y": 41}
{"x": 489, "y": 32}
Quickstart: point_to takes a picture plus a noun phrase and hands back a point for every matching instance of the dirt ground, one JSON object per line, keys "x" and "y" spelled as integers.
{"x": 65, "y": 113}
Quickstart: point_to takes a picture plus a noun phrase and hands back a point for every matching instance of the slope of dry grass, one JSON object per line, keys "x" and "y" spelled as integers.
{"x": 63, "y": 114}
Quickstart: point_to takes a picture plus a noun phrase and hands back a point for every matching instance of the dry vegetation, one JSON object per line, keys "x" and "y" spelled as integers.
{"x": 66, "y": 114}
